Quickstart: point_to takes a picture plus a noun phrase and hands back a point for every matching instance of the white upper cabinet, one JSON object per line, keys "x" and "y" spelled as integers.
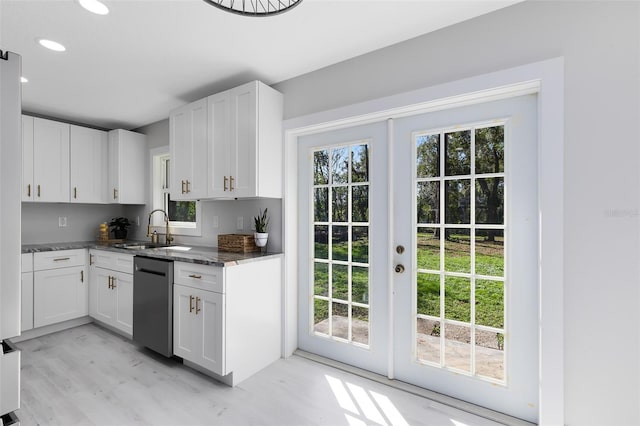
{"x": 189, "y": 151}
{"x": 228, "y": 145}
{"x": 45, "y": 171}
{"x": 89, "y": 165}
{"x": 245, "y": 139}
{"x": 127, "y": 167}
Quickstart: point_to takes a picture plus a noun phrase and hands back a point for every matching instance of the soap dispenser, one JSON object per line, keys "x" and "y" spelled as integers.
{"x": 155, "y": 238}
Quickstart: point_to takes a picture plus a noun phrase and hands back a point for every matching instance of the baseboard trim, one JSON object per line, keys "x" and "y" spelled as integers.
{"x": 436, "y": 397}
{"x": 53, "y": 328}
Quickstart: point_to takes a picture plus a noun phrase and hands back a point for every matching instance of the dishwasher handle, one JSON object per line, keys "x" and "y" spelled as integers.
{"x": 149, "y": 271}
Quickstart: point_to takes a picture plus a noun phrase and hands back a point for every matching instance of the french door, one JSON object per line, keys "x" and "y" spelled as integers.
{"x": 343, "y": 309}
{"x": 419, "y": 255}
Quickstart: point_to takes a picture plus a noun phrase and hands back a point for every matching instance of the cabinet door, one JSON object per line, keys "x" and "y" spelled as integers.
{"x": 243, "y": 146}
{"x": 89, "y": 173}
{"x": 50, "y": 160}
{"x": 127, "y": 167}
{"x": 189, "y": 151}
{"x": 27, "y": 158}
{"x": 102, "y": 298}
{"x": 186, "y": 327}
{"x": 123, "y": 287}
{"x": 59, "y": 295}
{"x": 219, "y": 122}
{"x": 27, "y": 301}
{"x": 210, "y": 313}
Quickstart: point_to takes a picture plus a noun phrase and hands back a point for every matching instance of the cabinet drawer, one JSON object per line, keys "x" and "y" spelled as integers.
{"x": 27, "y": 262}
{"x": 10, "y": 373}
{"x": 115, "y": 261}
{"x": 194, "y": 275}
{"x": 59, "y": 259}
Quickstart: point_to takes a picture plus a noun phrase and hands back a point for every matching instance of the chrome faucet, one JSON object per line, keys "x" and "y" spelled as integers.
{"x": 168, "y": 237}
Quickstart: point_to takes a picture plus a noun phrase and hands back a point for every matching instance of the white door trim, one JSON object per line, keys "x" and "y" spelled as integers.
{"x": 545, "y": 78}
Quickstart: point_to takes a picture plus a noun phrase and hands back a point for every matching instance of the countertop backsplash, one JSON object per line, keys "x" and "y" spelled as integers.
{"x": 40, "y": 221}
{"x": 227, "y": 212}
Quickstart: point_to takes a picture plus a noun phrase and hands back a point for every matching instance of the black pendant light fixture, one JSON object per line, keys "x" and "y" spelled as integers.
{"x": 255, "y": 7}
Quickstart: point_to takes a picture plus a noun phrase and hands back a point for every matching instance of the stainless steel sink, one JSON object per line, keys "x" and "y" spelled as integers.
{"x": 138, "y": 246}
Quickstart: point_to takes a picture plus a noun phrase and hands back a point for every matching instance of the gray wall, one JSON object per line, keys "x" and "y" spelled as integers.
{"x": 40, "y": 221}
{"x": 600, "y": 42}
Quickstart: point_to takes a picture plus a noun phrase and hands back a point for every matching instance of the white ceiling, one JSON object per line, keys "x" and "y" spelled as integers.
{"x": 131, "y": 67}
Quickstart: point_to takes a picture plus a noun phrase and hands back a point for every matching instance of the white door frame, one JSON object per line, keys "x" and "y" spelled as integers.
{"x": 546, "y": 78}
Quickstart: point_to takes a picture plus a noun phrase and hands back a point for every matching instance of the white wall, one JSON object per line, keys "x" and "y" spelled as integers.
{"x": 600, "y": 41}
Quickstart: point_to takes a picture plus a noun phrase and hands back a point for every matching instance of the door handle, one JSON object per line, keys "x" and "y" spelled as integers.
{"x": 109, "y": 285}
{"x": 197, "y": 307}
{"x": 60, "y": 259}
{"x": 188, "y": 190}
{"x": 115, "y": 194}
{"x": 38, "y": 190}
{"x": 230, "y": 183}
{"x": 29, "y": 190}
{"x": 81, "y": 276}
{"x": 182, "y": 189}
{"x": 190, "y": 304}
{"x": 225, "y": 183}
{"x": 195, "y": 276}
{"x": 399, "y": 268}
{"x": 75, "y": 192}
{"x": 113, "y": 283}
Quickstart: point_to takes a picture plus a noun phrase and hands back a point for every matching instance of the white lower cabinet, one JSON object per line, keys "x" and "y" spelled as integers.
{"x": 198, "y": 326}
{"x": 227, "y": 320}
{"x": 60, "y": 286}
{"x": 111, "y": 289}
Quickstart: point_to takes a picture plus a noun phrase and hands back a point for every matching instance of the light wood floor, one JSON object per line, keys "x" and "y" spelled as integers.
{"x": 90, "y": 376}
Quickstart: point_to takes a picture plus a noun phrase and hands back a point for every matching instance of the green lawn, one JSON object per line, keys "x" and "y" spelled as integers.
{"x": 489, "y": 294}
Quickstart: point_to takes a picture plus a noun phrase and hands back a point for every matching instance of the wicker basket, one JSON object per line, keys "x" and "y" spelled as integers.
{"x": 237, "y": 243}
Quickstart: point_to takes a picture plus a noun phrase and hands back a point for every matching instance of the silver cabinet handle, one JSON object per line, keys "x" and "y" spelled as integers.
{"x": 61, "y": 259}
{"x": 195, "y": 276}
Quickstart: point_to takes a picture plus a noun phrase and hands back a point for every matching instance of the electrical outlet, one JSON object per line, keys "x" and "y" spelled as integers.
{"x": 62, "y": 221}
{"x": 215, "y": 222}
{"x": 240, "y": 223}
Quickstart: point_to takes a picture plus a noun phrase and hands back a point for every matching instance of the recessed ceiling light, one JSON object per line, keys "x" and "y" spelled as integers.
{"x": 23, "y": 80}
{"x": 49, "y": 44}
{"x": 94, "y": 6}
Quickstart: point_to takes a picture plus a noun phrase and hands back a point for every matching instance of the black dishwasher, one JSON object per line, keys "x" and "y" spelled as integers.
{"x": 153, "y": 304}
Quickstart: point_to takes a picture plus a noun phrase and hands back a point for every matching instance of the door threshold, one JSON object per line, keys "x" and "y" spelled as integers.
{"x": 449, "y": 401}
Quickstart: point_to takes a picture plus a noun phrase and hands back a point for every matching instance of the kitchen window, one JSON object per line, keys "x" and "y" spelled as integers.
{"x": 184, "y": 216}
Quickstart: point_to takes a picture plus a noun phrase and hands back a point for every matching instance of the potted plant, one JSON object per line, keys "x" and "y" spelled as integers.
{"x": 261, "y": 224}
{"x": 119, "y": 226}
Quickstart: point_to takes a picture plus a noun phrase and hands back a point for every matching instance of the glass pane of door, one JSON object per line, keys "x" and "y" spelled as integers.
{"x": 460, "y": 255}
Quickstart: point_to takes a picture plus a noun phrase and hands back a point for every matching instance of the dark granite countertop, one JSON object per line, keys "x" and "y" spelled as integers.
{"x": 194, "y": 254}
